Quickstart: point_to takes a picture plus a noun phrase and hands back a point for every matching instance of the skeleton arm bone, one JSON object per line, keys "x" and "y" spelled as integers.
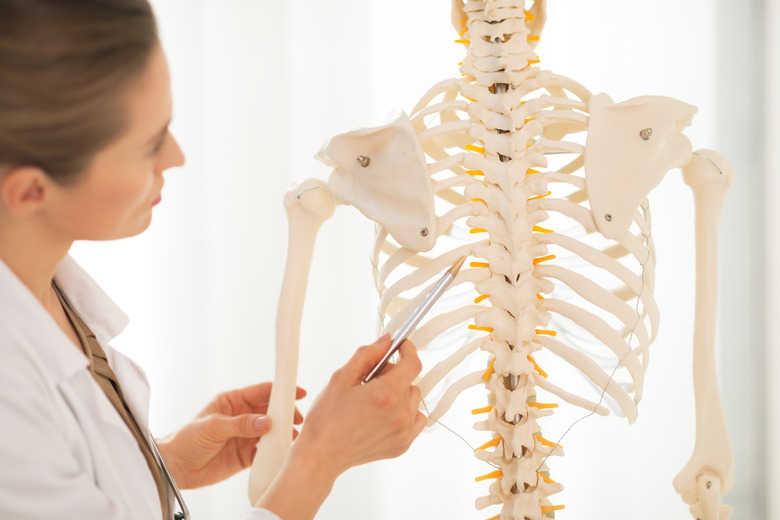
{"x": 709, "y": 473}
{"x": 382, "y": 172}
{"x": 308, "y": 205}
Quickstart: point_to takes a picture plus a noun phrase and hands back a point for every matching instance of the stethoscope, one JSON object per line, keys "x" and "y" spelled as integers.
{"x": 185, "y": 513}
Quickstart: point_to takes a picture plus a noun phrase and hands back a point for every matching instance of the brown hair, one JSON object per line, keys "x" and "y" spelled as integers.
{"x": 63, "y": 68}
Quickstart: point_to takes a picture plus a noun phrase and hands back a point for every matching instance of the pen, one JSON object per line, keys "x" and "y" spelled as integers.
{"x": 416, "y": 316}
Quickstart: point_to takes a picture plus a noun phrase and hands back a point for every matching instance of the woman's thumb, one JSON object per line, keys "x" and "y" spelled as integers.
{"x": 245, "y": 426}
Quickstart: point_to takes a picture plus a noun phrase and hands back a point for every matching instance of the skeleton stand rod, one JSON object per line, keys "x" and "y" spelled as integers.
{"x": 709, "y": 473}
{"x": 308, "y": 205}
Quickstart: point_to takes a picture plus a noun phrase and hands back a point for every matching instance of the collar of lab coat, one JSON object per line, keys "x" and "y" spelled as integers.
{"x": 20, "y": 307}
{"x": 87, "y": 298}
{"x": 106, "y": 320}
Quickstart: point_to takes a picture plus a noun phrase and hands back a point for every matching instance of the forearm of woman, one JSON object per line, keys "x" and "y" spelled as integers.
{"x": 300, "y": 488}
{"x": 350, "y": 424}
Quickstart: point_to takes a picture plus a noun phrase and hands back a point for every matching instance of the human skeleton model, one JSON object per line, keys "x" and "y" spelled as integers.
{"x": 543, "y": 186}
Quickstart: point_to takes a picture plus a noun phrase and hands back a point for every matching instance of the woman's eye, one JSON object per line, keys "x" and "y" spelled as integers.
{"x": 157, "y": 146}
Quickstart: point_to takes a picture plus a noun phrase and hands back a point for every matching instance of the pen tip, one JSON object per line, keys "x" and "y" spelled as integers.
{"x": 457, "y": 265}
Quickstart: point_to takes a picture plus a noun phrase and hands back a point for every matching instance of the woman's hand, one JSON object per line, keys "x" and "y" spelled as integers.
{"x": 222, "y": 438}
{"x": 350, "y": 423}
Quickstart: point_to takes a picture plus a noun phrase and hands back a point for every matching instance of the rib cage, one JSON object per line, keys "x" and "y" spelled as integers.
{"x": 505, "y": 149}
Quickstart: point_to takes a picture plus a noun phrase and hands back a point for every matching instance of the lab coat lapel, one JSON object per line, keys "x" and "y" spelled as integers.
{"x": 135, "y": 386}
{"x": 106, "y": 320}
{"x": 116, "y": 458}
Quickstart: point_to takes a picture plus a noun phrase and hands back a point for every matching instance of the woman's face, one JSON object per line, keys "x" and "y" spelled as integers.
{"x": 114, "y": 197}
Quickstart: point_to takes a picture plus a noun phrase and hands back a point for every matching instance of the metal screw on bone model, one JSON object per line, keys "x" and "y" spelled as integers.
{"x": 424, "y": 232}
{"x": 363, "y": 160}
{"x": 646, "y": 133}
{"x": 608, "y": 217}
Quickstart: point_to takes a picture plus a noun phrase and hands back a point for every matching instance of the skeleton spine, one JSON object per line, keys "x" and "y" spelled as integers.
{"x": 499, "y": 63}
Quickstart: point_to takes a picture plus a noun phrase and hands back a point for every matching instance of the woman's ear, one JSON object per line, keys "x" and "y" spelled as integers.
{"x": 23, "y": 190}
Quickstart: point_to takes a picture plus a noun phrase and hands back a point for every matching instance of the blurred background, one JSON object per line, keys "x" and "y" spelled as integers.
{"x": 259, "y": 87}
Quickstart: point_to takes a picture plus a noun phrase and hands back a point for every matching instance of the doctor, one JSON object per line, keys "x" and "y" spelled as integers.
{"x": 85, "y": 106}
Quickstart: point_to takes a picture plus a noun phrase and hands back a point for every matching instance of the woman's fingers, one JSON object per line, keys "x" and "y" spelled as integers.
{"x": 363, "y": 360}
{"x": 259, "y": 395}
{"x": 250, "y": 399}
{"x": 401, "y": 374}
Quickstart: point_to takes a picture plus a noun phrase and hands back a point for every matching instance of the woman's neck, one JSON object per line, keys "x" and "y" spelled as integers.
{"x": 33, "y": 256}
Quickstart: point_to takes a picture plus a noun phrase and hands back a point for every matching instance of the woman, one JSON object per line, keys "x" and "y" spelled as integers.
{"x": 85, "y": 106}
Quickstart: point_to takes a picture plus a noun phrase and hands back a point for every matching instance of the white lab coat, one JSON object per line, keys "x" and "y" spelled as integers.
{"x": 65, "y": 453}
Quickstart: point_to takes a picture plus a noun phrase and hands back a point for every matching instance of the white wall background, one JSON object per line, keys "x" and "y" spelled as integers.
{"x": 772, "y": 168}
{"x": 259, "y": 86}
